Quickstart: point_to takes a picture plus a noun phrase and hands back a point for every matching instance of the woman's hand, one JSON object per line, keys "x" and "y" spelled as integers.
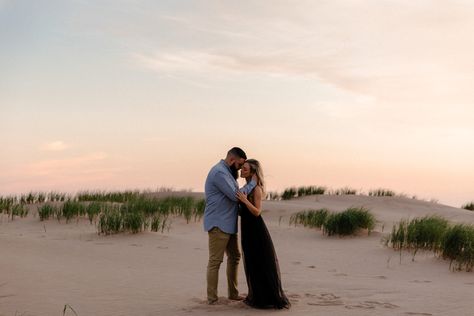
{"x": 242, "y": 197}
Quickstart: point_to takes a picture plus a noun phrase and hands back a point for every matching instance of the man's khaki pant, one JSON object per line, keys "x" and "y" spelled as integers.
{"x": 220, "y": 242}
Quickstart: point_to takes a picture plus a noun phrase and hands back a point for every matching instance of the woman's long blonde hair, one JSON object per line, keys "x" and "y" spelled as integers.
{"x": 256, "y": 168}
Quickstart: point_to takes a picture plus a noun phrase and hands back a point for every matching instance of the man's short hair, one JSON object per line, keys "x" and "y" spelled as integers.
{"x": 238, "y": 152}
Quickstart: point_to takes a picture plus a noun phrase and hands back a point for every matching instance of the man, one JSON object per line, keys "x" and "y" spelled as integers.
{"x": 220, "y": 221}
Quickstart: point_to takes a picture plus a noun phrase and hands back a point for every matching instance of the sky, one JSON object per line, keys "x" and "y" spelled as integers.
{"x": 142, "y": 94}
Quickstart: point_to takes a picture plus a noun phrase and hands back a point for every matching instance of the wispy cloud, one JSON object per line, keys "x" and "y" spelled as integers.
{"x": 393, "y": 52}
{"x": 55, "y": 146}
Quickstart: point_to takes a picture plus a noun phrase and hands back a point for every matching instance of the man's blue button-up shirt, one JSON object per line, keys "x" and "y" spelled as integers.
{"x": 221, "y": 200}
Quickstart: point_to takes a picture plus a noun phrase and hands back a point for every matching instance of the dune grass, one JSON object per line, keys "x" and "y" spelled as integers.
{"x": 108, "y": 196}
{"x": 288, "y": 194}
{"x": 93, "y": 210}
{"x": 424, "y": 233}
{"x": 381, "y": 192}
{"x": 143, "y": 213}
{"x": 111, "y": 212}
{"x": 11, "y": 207}
{"x": 46, "y": 211}
{"x": 458, "y": 247}
{"x": 110, "y": 221}
{"x": 294, "y": 192}
{"x": 469, "y": 206}
{"x": 348, "y": 222}
{"x": 434, "y": 233}
{"x": 72, "y": 209}
{"x": 311, "y": 218}
{"x": 20, "y": 210}
{"x": 343, "y": 191}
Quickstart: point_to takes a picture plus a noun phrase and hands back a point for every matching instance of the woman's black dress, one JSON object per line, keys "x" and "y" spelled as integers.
{"x": 260, "y": 262}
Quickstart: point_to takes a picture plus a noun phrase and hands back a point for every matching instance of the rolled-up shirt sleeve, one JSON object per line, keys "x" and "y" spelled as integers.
{"x": 248, "y": 187}
{"x": 227, "y": 185}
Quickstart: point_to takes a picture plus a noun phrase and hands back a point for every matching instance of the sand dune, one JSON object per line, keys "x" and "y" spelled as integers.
{"x": 45, "y": 265}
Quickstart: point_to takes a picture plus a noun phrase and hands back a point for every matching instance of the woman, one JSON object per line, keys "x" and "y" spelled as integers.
{"x": 260, "y": 260}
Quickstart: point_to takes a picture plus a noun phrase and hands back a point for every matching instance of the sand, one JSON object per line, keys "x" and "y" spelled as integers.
{"x": 46, "y": 265}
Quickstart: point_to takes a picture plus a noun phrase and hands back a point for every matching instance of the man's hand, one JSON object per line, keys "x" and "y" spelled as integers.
{"x": 241, "y": 196}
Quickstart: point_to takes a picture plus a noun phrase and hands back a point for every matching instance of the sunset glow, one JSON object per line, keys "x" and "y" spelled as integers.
{"x": 147, "y": 94}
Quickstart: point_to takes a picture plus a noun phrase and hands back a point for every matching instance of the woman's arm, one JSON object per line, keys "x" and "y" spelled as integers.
{"x": 254, "y": 209}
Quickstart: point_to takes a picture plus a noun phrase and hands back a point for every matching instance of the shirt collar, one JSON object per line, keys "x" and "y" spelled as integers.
{"x": 223, "y": 163}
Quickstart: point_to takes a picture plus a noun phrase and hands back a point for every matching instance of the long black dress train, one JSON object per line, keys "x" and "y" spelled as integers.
{"x": 260, "y": 263}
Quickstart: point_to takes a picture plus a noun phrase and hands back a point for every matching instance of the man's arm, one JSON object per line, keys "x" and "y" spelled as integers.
{"x": 246, "y": 189}
{"x": 227, "y": 185}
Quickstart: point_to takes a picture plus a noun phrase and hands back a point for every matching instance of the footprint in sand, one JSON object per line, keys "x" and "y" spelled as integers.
{"x": 7, "y": 295}
{"x": 221, "y": 302}
{"x": 312, "y": 267}
{"x": 414, "y": 313}
{"x": 296, "y": 262}
{"x": 135, "y": 245}
{"x": 325, "y": 299}
{"x": 381, "y": 277}
{"x": 340, "y": 274}
{"x": 420, "y": 281}
{"x": 372, "y": 305}
{"x": 294, "y": 296}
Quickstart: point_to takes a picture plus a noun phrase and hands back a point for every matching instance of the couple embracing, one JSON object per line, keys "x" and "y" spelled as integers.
{"x": 224, "y": 201}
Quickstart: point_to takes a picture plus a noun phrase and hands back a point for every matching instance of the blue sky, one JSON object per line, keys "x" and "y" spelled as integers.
{"x": 143, "y": 94}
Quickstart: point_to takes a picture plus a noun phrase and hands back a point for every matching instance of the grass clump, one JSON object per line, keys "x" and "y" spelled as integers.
{"x": 349, "y": 222}
{"x": 104, "y": 196}
{"x": 199, "y": 208}
{"x": 434, "y": 233}
{"x": 293, "y": 192}
{"x": 46, "y": 211}
{"x": 344, "y": 223}
{"x": 72, "y": 209}
{"x": 20, "y": 210}
{"x": 112, "y": 212}
{"x": 93, "y": 210}
{"x": 54, "y": 196}
{"x": 288, "y": 194}
{"x": 134, "y": 222}
{"x": 6, "y": 202}
{"x": 424, "y": 233}
{"x": 458, "y": 247}
{"x": 381, "y": 192}
{"x": 469, "y": 206}
{"x": 311, "y": 190}
{"x": 311, "y": 218}
{"x": 110, "y": 221}
{"x": 344, "y": 191}
{"x": 144, "y": 212}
